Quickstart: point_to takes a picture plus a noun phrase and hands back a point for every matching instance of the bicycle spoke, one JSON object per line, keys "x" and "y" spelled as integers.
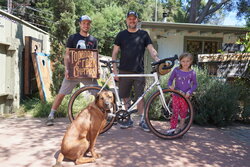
{"x": 159, "y": 119}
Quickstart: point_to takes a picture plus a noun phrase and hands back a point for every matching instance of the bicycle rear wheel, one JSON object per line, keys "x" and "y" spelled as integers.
{"x": 81, "y": 98}
{"x": 158, "y": 118}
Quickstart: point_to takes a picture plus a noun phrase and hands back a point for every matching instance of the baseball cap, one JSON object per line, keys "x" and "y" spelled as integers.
{"x": 85, "y": 17}
{"x": 132, "y": 13}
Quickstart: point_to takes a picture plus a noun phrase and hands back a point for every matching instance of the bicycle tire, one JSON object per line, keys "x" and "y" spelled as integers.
{"x": 158, "y": 119}
{"x": 85, "y": 95}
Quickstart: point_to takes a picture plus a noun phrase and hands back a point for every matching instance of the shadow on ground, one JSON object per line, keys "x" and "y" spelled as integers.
{"x": 27, "y": 142}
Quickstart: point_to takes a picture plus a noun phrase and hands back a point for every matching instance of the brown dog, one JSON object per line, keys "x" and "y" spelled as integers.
{"x": 80, "y": 137}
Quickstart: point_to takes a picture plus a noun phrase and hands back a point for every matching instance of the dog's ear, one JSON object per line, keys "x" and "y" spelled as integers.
{"x": 97, "y": 97}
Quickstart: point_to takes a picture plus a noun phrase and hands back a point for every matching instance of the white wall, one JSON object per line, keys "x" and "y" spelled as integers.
{"x": 2, "y": 68}
{"x": 12, "y": 37}
{"x": 168, "y": 47}
{"x": 172, "y": 42}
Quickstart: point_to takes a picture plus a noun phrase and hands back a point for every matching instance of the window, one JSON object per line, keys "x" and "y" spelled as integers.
{"x": 200, "y": 45}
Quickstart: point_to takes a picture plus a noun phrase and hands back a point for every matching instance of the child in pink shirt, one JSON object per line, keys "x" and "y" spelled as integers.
{"x": 186, "y": 83}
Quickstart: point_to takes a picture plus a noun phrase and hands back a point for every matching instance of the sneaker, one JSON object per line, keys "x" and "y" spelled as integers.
{"x": 128, "y": 125}
{"x": 50, "y": 121}
{"x": 178, "y": 130}
{"x": 144, "y": 126}
{"x": 170, "y": 132}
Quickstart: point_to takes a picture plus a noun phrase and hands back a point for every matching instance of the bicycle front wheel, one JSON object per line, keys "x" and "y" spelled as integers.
{"x": 81, "y": 99}
{"x": 170, "y": 121}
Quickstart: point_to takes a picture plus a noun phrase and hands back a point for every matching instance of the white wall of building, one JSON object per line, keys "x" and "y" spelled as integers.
{"x": 12, "y": 42}
{"x": 170, "y": 46}
{"x": 172, "y": 42}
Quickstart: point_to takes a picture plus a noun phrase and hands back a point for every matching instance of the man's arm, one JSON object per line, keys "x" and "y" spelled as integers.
{"x": 153, "y": 52}
{"x": 66, "y": 60}
{"x": 116, "y": 49}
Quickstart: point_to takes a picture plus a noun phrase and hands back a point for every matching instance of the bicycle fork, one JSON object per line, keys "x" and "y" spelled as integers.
{"x": 163, "y": 101}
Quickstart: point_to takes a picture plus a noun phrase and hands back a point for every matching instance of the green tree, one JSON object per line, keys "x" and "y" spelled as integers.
{"x": 106, "y": 24}
{"x": 64, "y": 25}
{"x": 176, "y": 11}
{"x": 44, "y": 14}
{"x": 243, "y": 7}
{"x": 197, "y": 11}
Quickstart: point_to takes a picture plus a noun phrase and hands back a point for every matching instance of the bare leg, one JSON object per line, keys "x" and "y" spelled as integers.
{"x": 140, "y": 107}
{"x": 130, "y": 122}
{"x": 57, "y": 102}
{"x": 182, "y": 121}
{"x": 126, "y": 102}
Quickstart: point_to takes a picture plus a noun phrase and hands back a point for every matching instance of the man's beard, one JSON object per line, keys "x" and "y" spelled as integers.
{"x": 85, "y": 31}
{"x": 132, "y": 27}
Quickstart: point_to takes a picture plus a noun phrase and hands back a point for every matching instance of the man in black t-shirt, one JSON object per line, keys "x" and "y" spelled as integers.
{"x": 132, "y": 43}
{"x": 81, "y": 40}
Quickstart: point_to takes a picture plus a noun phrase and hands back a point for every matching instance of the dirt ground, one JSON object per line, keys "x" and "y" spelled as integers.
{"x": 27, "y": 142}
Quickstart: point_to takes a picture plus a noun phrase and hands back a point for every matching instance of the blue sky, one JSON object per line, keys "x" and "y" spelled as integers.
{"x": 232, "y": 21}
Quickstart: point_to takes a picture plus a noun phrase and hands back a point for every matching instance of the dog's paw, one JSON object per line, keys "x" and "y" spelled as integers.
{"x": 58, "y": 164}
{"x": 97, "y": 155}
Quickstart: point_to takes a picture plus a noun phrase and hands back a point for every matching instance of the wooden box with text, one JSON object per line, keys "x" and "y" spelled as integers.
{"x": 83, "y": 63}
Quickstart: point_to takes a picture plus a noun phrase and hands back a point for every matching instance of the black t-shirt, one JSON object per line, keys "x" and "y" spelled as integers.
{"x": 132, "y": 47}
{"x": 80, "y": 42}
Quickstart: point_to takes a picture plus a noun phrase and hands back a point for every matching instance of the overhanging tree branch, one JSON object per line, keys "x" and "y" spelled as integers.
{"x": 207, "y": 11}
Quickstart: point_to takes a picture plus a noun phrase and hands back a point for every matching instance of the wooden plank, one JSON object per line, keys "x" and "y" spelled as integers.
{"x": 42, "y": 68}
{"x": 83, "y": 63}
{"x": 26, "y": 65}
{"x": 226, "y": 65}
{"x": 203, "y": 58}
{"x": 32, "y": 45}
{"x": 38, "y": 80}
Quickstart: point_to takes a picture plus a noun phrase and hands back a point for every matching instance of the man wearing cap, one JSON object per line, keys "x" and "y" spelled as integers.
{"x": 81, "y": 40}
{"x": 132, "y": 43}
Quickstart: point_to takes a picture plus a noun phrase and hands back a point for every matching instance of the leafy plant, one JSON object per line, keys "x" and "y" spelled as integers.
{"x": 246, "y": 42}
{"x": 216, "y": 101}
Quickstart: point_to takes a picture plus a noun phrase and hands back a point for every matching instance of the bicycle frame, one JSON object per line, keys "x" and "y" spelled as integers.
{"x": 155, "y": 83}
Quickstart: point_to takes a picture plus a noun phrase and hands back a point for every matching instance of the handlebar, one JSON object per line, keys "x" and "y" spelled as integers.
{"x": 106, "y": 62}
{"x": 109, "y": 64}
{"x": 170, "y": 60}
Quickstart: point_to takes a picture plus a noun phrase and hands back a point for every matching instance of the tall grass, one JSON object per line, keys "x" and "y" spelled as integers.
{"x": 36, "y": 108}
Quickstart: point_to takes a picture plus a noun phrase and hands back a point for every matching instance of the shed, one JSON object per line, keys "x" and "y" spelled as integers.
{"x": 13, "y": 33}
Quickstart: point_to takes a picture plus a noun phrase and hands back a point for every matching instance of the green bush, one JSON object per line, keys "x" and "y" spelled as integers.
{"x": 215, "y": 102}
{"x": 244, "y": 115}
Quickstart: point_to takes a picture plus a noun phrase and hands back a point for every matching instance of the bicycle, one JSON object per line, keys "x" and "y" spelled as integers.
{"x": 158, "y": 108}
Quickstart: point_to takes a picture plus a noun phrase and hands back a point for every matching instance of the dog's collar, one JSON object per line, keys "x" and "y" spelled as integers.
{"x": 103, "y": 110}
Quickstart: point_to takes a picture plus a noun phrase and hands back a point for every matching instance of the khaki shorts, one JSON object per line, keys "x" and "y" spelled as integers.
{"x": 69, "y": 85}
{"x": 126, "y": 84}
